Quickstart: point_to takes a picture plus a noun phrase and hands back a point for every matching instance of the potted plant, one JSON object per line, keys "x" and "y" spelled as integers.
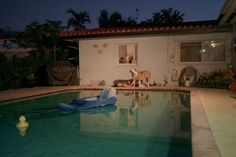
{"x": 102, "y": 83}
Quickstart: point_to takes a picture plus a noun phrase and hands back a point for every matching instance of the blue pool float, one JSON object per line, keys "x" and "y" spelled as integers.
{"x": 106, "y": 97}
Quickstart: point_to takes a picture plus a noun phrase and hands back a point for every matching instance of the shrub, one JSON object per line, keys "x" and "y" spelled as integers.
{"x": 232, "y": 86}
{"x": 214, "y": 79}
{"x": 6, "y": 80}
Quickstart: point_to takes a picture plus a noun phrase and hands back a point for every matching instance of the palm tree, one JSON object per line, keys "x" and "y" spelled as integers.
{"x": 78, "y": 20}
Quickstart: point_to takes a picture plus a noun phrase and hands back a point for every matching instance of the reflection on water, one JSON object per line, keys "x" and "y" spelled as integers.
{"x": 144, "y": 113}
{"x": 161, "y": 114}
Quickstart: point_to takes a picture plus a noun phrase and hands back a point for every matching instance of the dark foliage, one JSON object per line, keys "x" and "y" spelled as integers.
{"x": 214, "y": 79}
{"x": 115, "y": 19}
{"x": 8, "y": 32}
{"x": 167, "y": 16}
{"x": 29, "y": 71}
{"x": 78, "y": 19}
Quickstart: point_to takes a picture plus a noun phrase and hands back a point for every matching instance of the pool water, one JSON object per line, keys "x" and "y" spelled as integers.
{"x": 140, "y": 124}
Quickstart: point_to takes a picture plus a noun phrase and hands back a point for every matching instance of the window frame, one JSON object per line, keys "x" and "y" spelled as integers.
{"x": 202, "y": 41}
{"x": 135, "y": 54}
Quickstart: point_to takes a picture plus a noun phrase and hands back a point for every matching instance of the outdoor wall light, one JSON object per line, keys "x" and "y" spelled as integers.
{"x": 202, "y": 50}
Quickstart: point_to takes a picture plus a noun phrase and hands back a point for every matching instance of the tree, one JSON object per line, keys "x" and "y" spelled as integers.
{"x": 164, "y": 17}
{"x": 48, "y": 46}
{"x": 45, "y": 39}
{"x": 131, "y": 22}
{"x": 41, "y": 35}
{"x": 52, "y": 29}
{"x": 115, "y": 19}
{"x": 78, "y": 20}
{"x": 103, "y": 19}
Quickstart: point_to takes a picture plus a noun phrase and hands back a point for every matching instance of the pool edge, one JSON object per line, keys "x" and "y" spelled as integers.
{"x": 203, "y": 141}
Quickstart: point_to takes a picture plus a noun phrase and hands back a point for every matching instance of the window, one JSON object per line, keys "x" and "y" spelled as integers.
{"x": 213, "y": 51}
{"x": 190, "y": 52}
{"x": 127, "y": 54}
{"x": 205, "y": 51}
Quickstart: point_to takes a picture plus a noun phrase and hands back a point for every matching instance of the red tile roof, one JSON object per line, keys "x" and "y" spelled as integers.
{"x": 188, "y": 26}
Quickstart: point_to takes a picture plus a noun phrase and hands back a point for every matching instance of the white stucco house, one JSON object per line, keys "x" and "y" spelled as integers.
{"x": 109, "y": 53}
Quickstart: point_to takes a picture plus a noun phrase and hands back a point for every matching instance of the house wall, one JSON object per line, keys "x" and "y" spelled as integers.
{"x": 158, "y": 54}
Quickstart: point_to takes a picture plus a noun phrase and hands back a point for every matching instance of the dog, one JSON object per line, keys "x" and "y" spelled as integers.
{"x": 122, "y": 83}
{"x": 140, "y": 77}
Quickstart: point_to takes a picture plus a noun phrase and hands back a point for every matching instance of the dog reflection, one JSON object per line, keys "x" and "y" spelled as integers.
{"x": 128, "y": 116}
{"x": 141, "y": 99}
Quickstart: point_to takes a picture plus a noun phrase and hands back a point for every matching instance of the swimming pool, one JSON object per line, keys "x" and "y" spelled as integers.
{"x": 141, "y": 124}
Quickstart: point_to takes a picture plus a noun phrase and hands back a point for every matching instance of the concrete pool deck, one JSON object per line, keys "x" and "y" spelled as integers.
{"x": 213, "y": 115}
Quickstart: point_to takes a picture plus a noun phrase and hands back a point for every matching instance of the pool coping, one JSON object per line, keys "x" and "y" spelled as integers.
{"x": 203, "y": 142}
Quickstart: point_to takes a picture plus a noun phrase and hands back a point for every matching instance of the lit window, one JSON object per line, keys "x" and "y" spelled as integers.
{"x": 127, "y": 54}
{"x": 214, "y": 51}
{"x": 205, "y": 51}
{"x": 190, "y": 52}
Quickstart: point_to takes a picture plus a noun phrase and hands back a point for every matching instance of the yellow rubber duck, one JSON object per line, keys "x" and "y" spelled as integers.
{"x": 22, "y": 125}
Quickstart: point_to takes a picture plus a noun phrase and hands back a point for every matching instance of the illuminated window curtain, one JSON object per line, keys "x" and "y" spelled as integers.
{"x": 131, "y": 49}
{"x": 122, "y": 54}
{"x": 214, "y": 51}
{"x": 127, "y": 54}
{"x": 190, "y": 52}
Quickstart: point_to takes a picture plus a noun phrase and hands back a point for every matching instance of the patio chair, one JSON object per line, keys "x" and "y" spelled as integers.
{"x": 188, "y": 75}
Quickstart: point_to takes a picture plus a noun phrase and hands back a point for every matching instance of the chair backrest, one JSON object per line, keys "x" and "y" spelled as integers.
{"x": 107, "y": 92}
{"x": 190, "y": 73}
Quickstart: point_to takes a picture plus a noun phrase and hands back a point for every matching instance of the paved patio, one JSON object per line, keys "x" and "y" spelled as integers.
{"x": 220, "y": 109}
{"x": 213, "y": 116}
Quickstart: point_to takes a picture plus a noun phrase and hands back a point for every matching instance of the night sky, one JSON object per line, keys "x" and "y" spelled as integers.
{"x": 18, "y": 13}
